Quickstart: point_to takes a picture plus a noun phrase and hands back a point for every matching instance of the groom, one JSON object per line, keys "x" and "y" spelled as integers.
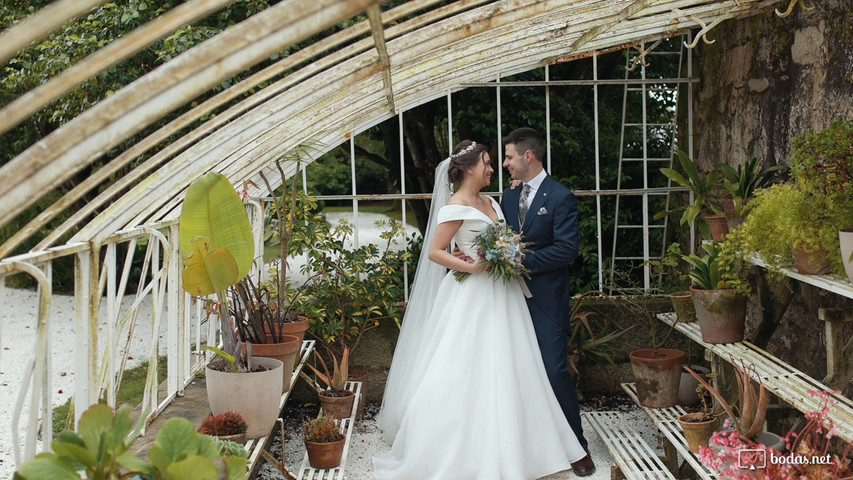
{"x": 546, "y": 213}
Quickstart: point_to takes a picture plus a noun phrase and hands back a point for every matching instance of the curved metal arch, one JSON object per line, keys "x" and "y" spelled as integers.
{"x": 424, "y": 64}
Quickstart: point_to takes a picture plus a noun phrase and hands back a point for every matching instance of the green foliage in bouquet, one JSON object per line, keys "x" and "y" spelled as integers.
{"x": 502, "y": 250}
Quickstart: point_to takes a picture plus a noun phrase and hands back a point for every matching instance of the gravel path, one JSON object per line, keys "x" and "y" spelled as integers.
{"x": 367, "y": 441}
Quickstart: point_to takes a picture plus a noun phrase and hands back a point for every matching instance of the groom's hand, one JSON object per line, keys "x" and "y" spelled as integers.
{"x": 458, "y": 253}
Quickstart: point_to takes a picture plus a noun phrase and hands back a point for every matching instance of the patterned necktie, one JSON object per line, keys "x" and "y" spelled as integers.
{"x": 522, "y": 204}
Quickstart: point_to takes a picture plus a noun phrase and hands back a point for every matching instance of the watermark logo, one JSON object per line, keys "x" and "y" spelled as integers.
{"x": 756, "y": 458}
{"x": 751, "y": 458}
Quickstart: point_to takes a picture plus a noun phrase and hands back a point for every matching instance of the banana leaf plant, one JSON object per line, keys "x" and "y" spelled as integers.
{"x": 217, "y": 246}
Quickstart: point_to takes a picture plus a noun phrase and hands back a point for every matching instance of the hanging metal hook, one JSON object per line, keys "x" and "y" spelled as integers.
{"x": 791, "y": 8}
{"x": 640, "y": 59}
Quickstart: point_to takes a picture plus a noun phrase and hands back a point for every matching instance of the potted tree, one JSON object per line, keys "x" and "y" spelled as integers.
{"x": 657, "y": 370}
{"x": 352, "y": 288}
{"x": 324, "y": 442}
{"x": 741, "y": 184}
{"x": 230, "y": 426}
{"x": 336, "y": 400}
{"x": 718, "y": 296}
{"x": 218, "y": 249}
{"x": 706, "y": 199}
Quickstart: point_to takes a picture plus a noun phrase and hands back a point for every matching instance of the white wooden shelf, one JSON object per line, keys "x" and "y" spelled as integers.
{"x": 258, "y": 445}
{"x": 307, "y": 472}
{"x": 666, "y": 420}
{"x": 783, "y": 380}
{"x": 831, "y": 283}
{"x": 630, "y": 452}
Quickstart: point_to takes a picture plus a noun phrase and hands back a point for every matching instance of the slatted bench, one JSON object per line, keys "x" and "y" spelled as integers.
{"x": 307, "y": 472}
{"x": 786, "y": 382}
{"x": 257, "y": 446}
{"x": 634, "y": 457}
{"x": 666, "y": 420}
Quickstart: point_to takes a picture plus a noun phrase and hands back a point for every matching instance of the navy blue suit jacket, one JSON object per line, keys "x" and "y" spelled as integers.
{"x": 552, "y": 225}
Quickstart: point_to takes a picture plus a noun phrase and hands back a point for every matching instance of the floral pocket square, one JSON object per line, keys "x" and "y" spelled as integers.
{"x": 542, "y": 211}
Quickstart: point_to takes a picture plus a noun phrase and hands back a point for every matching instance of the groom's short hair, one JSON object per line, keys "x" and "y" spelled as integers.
{"x": 526, "y": 138}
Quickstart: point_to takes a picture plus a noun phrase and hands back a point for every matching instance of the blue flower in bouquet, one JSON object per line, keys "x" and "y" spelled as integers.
{"x": 502, "y": 250}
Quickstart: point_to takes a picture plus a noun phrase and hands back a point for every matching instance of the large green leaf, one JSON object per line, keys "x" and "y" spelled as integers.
{"x": 48, "y": 465}
{"x": 216, "y": 237}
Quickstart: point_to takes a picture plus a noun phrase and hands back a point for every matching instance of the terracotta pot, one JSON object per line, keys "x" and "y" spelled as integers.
{"x": 325, "y": 456}
{"x": 229, "y": 391}
{"x": 682, "y": 303}
{"x": 657, "y": 378}
{"x": 286, "y": 351}
{"x": 338, "y": 404}
{"x": 687, "y": 395}
{"x": 734, "y": 218}
{"x": 721, "y": 314}
{"x": 811, "y": 262}
{"x": 360, "y": 375}
{"x": 291, "y": 328}
{"x": 719, "y": 227}
{"x": 846, "y": 239}
{"x": 697, "y": 433}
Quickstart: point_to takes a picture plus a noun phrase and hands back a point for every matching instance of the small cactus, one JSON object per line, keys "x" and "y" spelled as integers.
{"x": 322, "y": 430}
{"x": 225, "y": 423}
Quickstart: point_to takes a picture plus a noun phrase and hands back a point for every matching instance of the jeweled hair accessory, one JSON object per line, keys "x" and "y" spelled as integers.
{"x": 465, "y": 151}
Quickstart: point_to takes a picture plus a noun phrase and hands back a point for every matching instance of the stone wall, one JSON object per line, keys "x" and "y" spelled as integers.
{"x": 765, "y": 81}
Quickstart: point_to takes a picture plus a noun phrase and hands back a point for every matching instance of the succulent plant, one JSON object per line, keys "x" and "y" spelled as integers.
{"x": 225, "y": 423}
{"x": 322, "y": 430}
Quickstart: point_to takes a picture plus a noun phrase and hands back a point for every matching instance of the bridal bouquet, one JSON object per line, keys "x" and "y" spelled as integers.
{"x": 502, "y": 250}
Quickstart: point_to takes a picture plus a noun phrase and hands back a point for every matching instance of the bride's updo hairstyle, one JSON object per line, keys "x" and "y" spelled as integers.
{"x": 466, "y": 155}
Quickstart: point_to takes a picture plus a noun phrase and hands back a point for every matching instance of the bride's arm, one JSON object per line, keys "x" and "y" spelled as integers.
{"x": 438, "y": 253}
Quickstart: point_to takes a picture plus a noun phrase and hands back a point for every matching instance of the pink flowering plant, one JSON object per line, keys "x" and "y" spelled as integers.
{"x": 502, "y": 250}
{"x": 734, "y": 456}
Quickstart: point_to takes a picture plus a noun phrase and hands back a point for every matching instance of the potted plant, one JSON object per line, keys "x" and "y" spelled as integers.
{"x": 324, "y": 442}
{"x": 822, "y": 167}
{"x": 657, "y": 370}
{"x": 785, "y": 229}
{"x": 103, "y": 448}
{"x": 336, "y": 400}
{"x": 593, "y": 335}
{"x": 352, "y": 288}
{"x": 741, "y": 184}
{"x": 675, "y": 282}
{"x": 751, "y": 406}
{"x": 718, "y": 295}
{"x": 228, "y": 425}
{"x": 706, "y": 198}
{"x": 698, "y": 426}
{"x": 258, "y": 321}
{"x": 218, "y": 249}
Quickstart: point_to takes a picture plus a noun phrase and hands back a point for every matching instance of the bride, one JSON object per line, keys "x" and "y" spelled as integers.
{"x": 467, "y": 396}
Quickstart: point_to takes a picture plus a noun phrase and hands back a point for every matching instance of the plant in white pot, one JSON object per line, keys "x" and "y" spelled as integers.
{"x": 218, "y": 250}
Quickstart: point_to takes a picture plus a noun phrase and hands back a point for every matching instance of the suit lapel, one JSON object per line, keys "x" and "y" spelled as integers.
{"x": 537, "y": 203}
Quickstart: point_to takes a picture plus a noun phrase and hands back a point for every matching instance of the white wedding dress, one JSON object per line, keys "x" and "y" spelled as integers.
{"x": 482, "y": 406}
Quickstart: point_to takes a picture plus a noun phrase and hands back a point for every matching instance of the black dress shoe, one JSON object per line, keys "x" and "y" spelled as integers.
{"x": 584, "y": 467}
